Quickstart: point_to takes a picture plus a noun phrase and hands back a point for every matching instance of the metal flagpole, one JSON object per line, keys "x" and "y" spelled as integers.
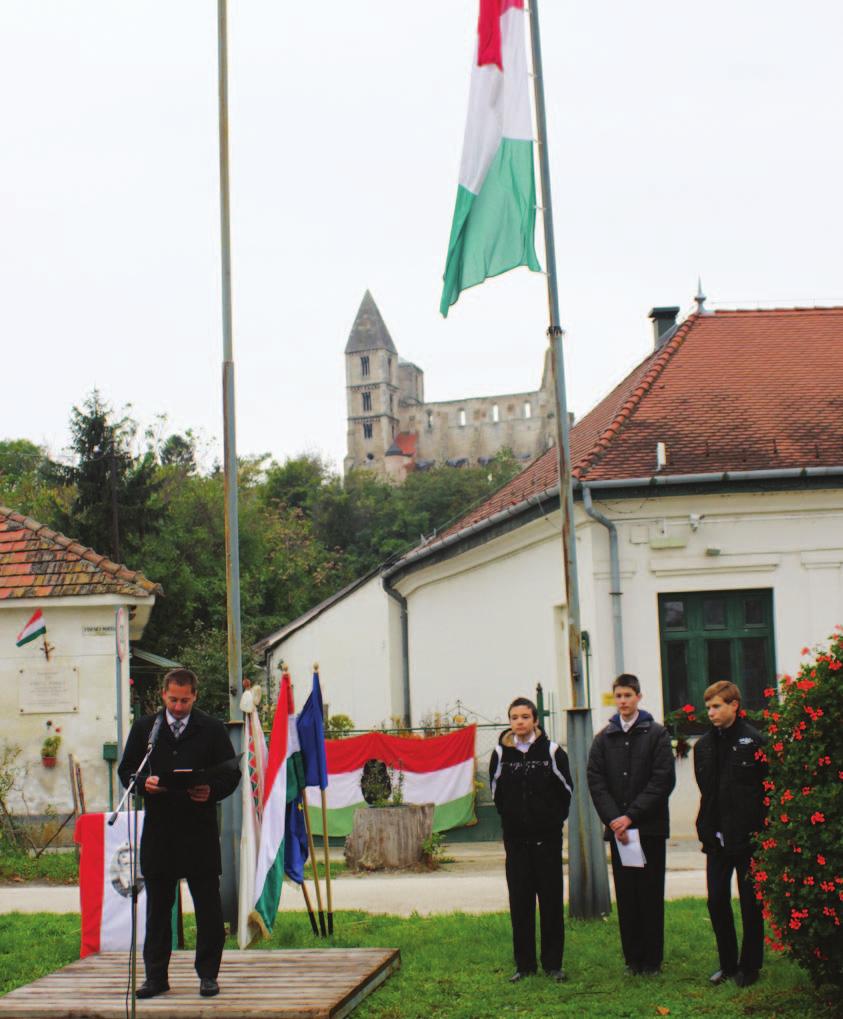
{"x": 588, "y": 880}
{"x": 232, "y": 810}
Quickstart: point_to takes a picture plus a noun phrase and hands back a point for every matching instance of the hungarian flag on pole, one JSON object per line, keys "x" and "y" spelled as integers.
{"x": 439, "y": 770}
{"x": 495, "y": 215}
{"x": 283, "y": 782}
{"x": 33, "y": 629}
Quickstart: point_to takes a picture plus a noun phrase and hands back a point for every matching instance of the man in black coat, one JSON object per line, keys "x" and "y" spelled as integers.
{"x": 631, "y": 774}
{"x": 730, "y": 768}
{"x": 180, "y": 832}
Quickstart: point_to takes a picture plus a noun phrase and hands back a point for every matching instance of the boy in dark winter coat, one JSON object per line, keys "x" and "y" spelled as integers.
{"x": 730, "y": 769}
{"x": 531, "y": 785}
{"x": 631, "y": 774}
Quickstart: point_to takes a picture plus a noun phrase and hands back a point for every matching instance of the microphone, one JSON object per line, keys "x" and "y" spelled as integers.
{"x": 156, "y": 729}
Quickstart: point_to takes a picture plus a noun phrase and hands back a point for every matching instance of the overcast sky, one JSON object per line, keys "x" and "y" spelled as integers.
{"x": 685, "y": 139}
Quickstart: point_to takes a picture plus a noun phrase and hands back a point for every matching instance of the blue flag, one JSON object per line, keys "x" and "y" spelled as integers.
{"x": 312, "y": 738}
{"x": 295, "y": 841}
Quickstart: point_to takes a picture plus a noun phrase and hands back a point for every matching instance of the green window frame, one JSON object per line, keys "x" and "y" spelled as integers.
{"x": 707, "y": 636}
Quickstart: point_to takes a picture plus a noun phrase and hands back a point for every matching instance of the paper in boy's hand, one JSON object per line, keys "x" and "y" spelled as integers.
{"x": 631, "y": 852}
{"x": 187, "y": 778}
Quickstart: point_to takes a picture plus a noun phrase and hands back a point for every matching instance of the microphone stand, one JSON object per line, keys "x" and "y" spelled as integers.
{"x": 133, "y": 869}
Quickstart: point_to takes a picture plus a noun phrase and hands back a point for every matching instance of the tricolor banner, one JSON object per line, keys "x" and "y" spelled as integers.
{"x": 439, "y": 770}
{"x": 495, "y": 214}
{"x": 284, "y": 781}
{"x": 33, "y": 629}
{"x": 105, "y": 883}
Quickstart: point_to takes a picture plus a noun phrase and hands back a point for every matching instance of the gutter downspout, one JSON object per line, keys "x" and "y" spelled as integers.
{"x": 405, "y": 644}
{"x": 615, "y": 590}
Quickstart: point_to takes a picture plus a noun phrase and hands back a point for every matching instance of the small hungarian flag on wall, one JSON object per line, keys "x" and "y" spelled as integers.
{"x": 33, "y": 629}
{"x": 495, "y": 214}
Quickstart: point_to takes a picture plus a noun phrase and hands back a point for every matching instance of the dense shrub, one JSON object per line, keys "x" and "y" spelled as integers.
{"x": 797, "y": 867}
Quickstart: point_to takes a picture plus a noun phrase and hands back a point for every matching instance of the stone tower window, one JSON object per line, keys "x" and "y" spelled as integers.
{"x": 391, "y": 405}
{"x": 528, "y": 409}
{"x": 389, "y": 368}
{"x": 367, "y": 401}
{"x": 367, "y": 429}
{"x": 364, "y": 366}
{"x": 496, "y": 414}
{"x": 461, "y": 417}
{"x": 430, "y": 419}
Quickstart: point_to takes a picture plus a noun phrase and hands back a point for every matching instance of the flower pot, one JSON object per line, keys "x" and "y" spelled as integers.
{"x": 49, "y": 762}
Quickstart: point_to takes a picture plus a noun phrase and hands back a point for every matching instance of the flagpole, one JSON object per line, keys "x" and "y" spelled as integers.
{"x": 315, "y": 864}
{"x": 232, "y": 816}
{"x": 588, "y": 881}
{"x": 309, "y": 905}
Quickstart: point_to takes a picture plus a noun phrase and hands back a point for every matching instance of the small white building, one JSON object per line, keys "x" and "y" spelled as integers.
{"x": 72, "y": 680}
{"x": 709, "y": 534}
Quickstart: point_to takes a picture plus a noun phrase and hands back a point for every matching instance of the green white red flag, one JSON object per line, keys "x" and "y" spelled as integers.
{"x": 33, "y": 629}
{"x": 283, "y": 781}
{"x": 439, "y": 770}
{"x": 495, "y": 215}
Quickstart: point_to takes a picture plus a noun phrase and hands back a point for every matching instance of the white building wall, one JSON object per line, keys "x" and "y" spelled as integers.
{"x": 354, "y": 641}
{"x": 486, "y": 627}
{"x": 83, "y": 637}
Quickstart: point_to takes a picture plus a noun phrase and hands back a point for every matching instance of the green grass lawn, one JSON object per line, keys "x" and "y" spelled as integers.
{"x": 457, "y": 967}
{"x": 49, "y": 868}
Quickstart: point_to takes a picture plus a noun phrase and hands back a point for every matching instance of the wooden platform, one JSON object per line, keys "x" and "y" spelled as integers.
{"x": 295, "y": 984}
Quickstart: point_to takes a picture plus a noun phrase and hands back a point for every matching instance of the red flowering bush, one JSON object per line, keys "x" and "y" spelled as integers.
{"x": 682, "y": 723}
{"x": 798, "y": 869}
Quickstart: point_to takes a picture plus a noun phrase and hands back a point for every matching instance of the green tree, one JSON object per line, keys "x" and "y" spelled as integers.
{"x": 298, "y": 483}
{"x": 115, "y": 504}
{"x": 30, "y": 482}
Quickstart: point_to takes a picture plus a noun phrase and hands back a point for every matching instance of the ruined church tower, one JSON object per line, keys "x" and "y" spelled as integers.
{"x": 371, "y": 385}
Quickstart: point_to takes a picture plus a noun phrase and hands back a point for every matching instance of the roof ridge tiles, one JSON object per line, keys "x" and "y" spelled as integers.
{"x": 73, "y": 547}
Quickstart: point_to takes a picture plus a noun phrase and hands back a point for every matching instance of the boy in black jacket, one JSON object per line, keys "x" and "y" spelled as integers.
{"x": 531, "y": 786}
{"x": 730, "y": 769}
{"x": 631, "y": 774}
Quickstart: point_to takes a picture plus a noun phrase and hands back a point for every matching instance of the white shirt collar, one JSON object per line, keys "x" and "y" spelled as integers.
{"x": 524, "y": 744}
{"x": 172, "y": 718}
{"x": 626, "y": 726}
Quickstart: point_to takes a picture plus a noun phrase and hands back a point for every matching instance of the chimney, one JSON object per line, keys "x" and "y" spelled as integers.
{"x": 664, "y": 324}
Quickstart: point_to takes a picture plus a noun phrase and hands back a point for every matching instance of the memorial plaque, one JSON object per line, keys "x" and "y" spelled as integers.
{"x": 48, "y": 689}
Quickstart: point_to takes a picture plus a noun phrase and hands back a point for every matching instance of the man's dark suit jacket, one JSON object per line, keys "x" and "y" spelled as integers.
{"x": 180, "y": 837}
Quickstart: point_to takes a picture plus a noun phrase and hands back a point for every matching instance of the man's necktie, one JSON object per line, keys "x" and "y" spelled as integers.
{"x": 177, "y": 727}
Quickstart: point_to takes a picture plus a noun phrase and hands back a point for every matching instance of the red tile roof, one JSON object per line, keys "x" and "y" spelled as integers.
{"x": 406, "y": 442}
{"x": 730, "y": 391}
{"x": 36, "y": 562}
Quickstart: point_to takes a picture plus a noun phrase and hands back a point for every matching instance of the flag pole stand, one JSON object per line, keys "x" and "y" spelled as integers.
{"x": 315, "y": 864}
{"x": 326, "y": 850}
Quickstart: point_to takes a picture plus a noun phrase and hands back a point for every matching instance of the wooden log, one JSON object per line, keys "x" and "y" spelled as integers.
{"x": 389, "y": 837}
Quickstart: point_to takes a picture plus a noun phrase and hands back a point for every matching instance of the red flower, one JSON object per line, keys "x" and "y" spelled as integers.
{"x": 761, "y": 875}
{"x": 769, "y": 844}
{"x": 770, "y": 692}
{"x": 823, "y": 760}
{"x": 689, "y": 709}
{"x": 778, "y": 747}
{"x": 806, "y": 651}
{"x": 817, "y": 818}
{"x": 821, "y": 859}
{"x": 772, "y": 728}
{"x": 827, "y": 886}
{"x": 787, "y": 795}
{"x": 808, "y": 880}
{"x": 806, "y": 684}
{"x": 806, "y": 790}
{"x": 760, "y": 755}
{"x": 786, "y": 820}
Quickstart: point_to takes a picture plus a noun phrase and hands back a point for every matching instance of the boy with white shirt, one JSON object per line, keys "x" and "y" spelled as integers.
{"x": 631, "y": 774}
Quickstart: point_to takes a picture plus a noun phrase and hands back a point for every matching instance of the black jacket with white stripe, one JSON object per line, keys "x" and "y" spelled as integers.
{"x": 532, "y": 789}
{"x": 633, "y": 773}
